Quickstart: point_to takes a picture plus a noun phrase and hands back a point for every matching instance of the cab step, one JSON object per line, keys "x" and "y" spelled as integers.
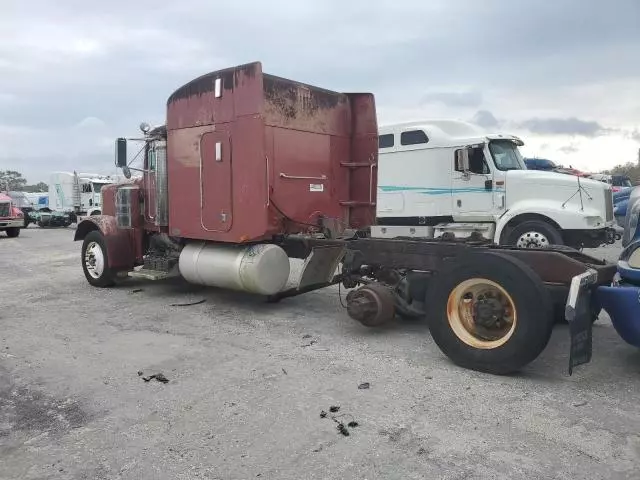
{"x": 149, "y": 274}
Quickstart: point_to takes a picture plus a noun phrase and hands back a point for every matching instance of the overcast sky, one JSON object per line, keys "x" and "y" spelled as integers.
{"x": 563, "y": 74}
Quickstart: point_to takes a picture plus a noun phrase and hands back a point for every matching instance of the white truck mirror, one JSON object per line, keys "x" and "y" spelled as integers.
{"x": 462, "y": 159}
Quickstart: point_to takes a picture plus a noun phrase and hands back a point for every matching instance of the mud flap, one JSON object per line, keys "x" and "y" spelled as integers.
{"x": 578, "y": 313}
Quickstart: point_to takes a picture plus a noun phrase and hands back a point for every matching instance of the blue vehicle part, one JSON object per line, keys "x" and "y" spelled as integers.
{"x": 622, "y": 299}
{"x": 622, "y": 194}
{"x": 620, "y": 204}
{"x": 622, "y": 303}
{"x": 631, "y": 224}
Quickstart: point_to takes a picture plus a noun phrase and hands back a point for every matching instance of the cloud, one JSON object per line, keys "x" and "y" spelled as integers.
{"x": 563, "y": 126}
{"x": 485, "y": 119}
{"x": 572, "y": 148}
{"x": 634, "y": 135}
{"x": 454, "y": 99}
{"x": 64, "y": 62}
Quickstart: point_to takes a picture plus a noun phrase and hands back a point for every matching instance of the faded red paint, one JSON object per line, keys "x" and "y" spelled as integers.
{"x": 14, "y": 212}
{"x": 125, "y": 247}
{"x": 271, "y": 132}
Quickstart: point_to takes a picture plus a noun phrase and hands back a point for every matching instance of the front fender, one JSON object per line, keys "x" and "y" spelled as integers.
{"x": 568, "y": 218}
{"x": 622, "y": 303}
{"x": 119, "y": 242}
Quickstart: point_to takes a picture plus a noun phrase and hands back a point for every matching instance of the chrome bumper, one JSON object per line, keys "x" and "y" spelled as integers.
{"x": 13, "y": 223}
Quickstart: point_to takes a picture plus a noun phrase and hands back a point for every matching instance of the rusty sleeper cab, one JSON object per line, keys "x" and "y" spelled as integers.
{"x": 245, "y": 159}
{"x": 251, "y": 170}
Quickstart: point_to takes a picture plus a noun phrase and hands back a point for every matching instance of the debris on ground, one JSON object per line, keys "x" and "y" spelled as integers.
{"x": 312, "y": 342}
{"x": 197, "y": 302}
{"x": 364, "y": 386}
{"x": 580, "y": 404}
{"x": 307, "y": 336}
{"x": 284, "y": 371}
{"x": 140, "y": 373}
{"x": 158, "y": 376}
{"x": 136, "y": 290}
{"x": 343, "y": 430}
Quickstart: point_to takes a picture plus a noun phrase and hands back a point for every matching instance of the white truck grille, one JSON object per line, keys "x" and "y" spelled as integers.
{"x": 5, "y": 209}
{"x": 608, "y": 204}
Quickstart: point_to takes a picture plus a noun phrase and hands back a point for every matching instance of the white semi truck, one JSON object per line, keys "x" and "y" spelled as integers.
{"x": 77, "y": 193}
{"x": 447, "y": 177}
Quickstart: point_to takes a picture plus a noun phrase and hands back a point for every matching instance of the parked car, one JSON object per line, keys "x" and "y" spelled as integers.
{"x": 540, "y": 164}
{"x": 617, "y": 182}
{"x": 549, "y": 166}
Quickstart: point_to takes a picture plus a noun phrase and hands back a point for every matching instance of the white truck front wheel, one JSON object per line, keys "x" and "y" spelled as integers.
{"x": 534, "y": 234}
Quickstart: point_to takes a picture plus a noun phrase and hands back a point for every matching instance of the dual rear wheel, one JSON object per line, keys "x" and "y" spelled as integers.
{"x": 490, "y": 312}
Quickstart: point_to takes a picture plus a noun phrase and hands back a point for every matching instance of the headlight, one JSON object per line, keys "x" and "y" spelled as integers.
{"x": 631, "y": 254}
{"x": 634, "y": 258}
{"x": 631, "y": 223}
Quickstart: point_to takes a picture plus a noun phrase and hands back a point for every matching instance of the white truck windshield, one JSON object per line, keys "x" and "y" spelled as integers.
{"x": 506, "y": 155}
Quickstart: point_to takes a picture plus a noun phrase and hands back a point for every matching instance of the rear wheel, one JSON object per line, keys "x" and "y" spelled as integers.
{"x": 13, "y": 232}
{"x": 534, "y": 234}
{"x": 490, "y": 312}
{"x": 95, "y": 261}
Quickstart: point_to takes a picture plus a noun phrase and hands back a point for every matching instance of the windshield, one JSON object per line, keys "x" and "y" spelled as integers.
{"x": 506, "y": 155}
{"x": 621, "y": 182}
{"x": 97, "y": 187}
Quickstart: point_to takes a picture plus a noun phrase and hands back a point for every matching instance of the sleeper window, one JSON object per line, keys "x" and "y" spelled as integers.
{"x": 413, "y": 137}
{"x": 385, "y": 141}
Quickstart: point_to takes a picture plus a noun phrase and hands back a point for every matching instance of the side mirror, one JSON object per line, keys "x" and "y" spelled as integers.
{"x": 127, "y": 172}
{"x": 121, "y": 152}
{"x": 462, "y": 160}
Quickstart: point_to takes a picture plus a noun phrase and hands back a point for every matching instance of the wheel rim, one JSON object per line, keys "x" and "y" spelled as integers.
{"x": 532, "y": 240}
{"x": 94, "y": 260}
{"x": 481, "y": 313}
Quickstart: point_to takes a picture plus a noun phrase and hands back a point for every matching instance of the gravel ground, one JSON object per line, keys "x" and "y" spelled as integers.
{"x": 248, "y": 380}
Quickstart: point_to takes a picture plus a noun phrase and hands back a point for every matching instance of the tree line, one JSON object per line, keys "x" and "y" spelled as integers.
{"x": 629, "y": 169}
{"x": 13, "y": 181}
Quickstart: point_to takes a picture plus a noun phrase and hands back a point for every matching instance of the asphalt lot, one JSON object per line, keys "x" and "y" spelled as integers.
{"x": 248, "y": 380}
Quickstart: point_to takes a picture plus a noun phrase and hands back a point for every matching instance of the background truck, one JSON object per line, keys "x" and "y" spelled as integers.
{"x": 252, "y": 170}
{"x": 77, "y": 194}
{"x": 448, "y": 177}
{"x": 11, "y": 217}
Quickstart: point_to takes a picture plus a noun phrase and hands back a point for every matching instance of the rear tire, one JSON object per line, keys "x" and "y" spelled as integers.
{"x": 13, "y": 232}
{"x": 534, "y": 234}
{"x": 528, "y": 305}
{"x": 95, "y": 261}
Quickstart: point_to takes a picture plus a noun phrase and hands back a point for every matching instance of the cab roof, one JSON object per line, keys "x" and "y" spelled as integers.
{"x": 448, "y": 133}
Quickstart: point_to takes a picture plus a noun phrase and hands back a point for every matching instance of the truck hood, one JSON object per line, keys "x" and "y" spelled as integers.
{"x": 552, "y": 179}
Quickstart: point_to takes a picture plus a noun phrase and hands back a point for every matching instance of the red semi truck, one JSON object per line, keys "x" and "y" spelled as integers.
{"x": 11, "y": 217}
{"x": 252, "y": 170}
